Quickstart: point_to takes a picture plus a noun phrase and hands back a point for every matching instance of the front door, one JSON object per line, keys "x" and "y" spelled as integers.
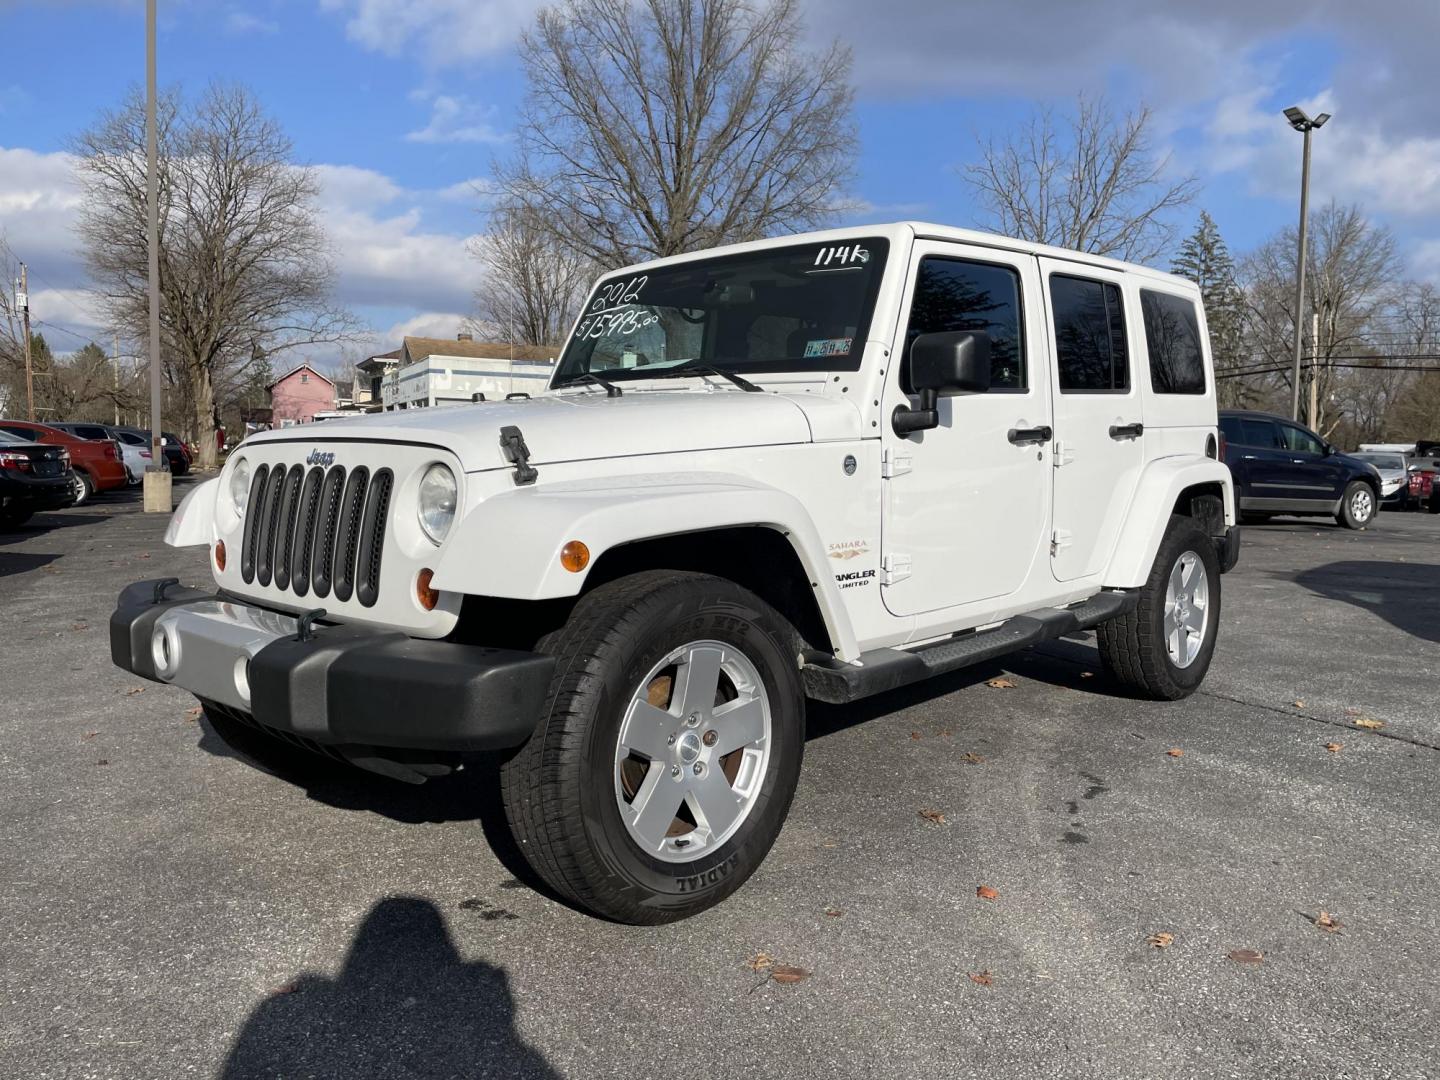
{"x": 1305, "y": 470}
{"x": 1099, "y": 430}
{"x": 967, "y": 503}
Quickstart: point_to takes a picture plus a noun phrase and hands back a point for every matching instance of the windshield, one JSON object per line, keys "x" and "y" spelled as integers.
{"x": 1384, "y": 461}
{"x": 801, "y": 308}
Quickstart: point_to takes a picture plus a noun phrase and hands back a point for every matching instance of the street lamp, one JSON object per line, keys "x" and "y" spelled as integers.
{"x": 1303, "y": 124}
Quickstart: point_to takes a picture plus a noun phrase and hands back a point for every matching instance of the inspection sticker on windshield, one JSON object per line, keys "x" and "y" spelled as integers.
{"x": 837, "y": 346}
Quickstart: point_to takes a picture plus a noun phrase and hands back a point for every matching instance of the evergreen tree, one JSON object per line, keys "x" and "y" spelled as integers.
{"x": 1205, "y": 260}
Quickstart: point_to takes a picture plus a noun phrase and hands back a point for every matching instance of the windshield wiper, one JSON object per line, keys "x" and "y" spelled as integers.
{"x": 611, "y": 390}
{"x": 740, "y": 381}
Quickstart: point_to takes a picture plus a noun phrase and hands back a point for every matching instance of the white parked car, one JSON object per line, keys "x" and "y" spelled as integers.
{"x": 820, "y": 467}
{"x": 135, "y": 451}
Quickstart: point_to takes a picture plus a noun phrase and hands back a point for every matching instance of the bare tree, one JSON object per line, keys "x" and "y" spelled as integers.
{"x": 243, "y": 259}
{"x": 533, "y": 285}
{"x": 1349, "y": 282}
{"x": 654, "y": 127}
{"x": 1090, "y": 181}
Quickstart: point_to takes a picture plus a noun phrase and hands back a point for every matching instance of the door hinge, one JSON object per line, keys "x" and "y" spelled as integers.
{"x": 894, "y": 462}
{"x": 1059, "y": 539}
{"x": 893, "y": 568}
{"x": 1061, "y": 454}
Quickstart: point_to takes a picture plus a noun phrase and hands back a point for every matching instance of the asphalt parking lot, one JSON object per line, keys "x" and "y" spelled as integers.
{"x": 171, "y": 910}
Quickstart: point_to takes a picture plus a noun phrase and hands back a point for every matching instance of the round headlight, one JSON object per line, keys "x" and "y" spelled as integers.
{"x": 437, "y": 501}
{"x": 240, "y": 486}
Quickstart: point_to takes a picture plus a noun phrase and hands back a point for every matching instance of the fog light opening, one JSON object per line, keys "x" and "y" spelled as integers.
{"x": 424, "y": 594}
{"x": 242, "y": 678}
{"x": 165, "y": 650}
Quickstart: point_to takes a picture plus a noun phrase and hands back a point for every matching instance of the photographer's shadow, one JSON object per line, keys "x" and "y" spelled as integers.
{"x": 404, "y": 1005}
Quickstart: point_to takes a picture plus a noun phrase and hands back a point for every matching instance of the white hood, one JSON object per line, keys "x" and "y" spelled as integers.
{"x": 591, "y": 426}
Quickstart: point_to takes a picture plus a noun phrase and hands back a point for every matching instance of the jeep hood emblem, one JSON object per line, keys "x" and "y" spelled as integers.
{"x": 320, "y": 457}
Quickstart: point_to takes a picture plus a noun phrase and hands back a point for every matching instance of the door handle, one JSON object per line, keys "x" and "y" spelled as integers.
{"x": 1126, "y": 431}
{"x": 1021, "y": 436}
{"x": 1247, "y": 457}
{"x": 1297, "y": 461}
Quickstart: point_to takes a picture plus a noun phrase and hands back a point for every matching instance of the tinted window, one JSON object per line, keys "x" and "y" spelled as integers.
{"x": 1259, "y": 433}
{"x": 1089, "y": 335}
{"x": 20, "y": 433}
{"x": 1172, "y": 338}
{"x": 132, "y": 439}
{"x": 91, "y": 432}
{"x": 1230, "y": 428}
{"x": 1301, "y": 440}
{"x": 955, "y": 295}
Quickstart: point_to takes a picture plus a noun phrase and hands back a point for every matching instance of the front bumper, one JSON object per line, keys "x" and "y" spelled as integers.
{"x": 338, "y": 685}
{"x": 34, "y": 494}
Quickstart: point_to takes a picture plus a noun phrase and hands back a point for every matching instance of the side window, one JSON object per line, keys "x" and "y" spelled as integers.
{"x": 957, "y": 295}
{"x": 1172, "y": 338}
{"x": 1300, "y": 440}
{"x": 1230, "y": 428}
{"x": 1259, "y": 433}
{"x": 20, "y": 433}
{"x": 1090, "y": 348}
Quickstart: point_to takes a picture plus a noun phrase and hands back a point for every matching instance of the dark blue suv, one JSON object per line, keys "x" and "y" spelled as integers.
{"x": 1280, "y": 467}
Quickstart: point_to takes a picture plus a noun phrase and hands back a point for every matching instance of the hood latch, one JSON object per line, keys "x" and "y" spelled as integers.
{"x": 512, "y": 442}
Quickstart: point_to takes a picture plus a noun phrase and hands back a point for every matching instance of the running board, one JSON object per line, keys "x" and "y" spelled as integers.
{"x": 830, "y": 680}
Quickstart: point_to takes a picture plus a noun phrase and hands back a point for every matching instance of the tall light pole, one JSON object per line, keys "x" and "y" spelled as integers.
{"x": 157, "y": 474}
{"x": 1303, "y": 124}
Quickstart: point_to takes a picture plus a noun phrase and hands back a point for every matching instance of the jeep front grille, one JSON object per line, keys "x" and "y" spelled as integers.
{"x": 317, "y": 532}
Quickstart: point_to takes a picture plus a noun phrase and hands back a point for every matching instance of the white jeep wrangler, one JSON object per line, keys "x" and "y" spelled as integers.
{"x": 820, "y": 466}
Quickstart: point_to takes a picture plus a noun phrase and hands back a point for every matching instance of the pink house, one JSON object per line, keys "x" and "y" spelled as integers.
{"x": 298, "y": 395}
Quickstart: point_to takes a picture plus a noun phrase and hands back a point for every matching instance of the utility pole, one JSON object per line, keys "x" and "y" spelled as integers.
{"x": 22, "y": 301}
{"x": 1314, "y": 416}
{"x": 157, "y": 474}
{"x": 115, "y": 363}
{"x": 1303, "y": 124}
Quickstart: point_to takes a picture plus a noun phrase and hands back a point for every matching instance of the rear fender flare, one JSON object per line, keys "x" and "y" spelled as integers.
{"x": 1160, "y": 487}
{"x": 509, "y": 545}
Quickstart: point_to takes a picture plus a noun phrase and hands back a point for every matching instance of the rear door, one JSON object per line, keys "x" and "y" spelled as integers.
{"x": 1099, "y": 445}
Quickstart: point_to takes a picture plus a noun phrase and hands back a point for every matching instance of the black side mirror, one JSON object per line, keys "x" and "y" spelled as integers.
{"x": 954, "y": 362}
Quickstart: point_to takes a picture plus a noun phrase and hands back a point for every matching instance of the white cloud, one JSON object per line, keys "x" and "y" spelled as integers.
{"x": 244, "y": 22}
{"x": 458, "y": 120}
{"x": 478, "y": 189}
{"x": 448, "y": 32}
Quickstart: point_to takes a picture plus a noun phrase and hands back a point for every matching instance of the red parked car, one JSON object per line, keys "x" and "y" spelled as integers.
{"x": 97, "y": 463}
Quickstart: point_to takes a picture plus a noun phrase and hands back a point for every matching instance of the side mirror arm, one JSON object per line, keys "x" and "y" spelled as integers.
{"x": 906, "y": 421}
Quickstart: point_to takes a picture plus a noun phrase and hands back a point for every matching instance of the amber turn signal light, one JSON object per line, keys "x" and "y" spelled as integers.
{"x": 220, "y": 554}
{"x": 574, "y": 556}
{"x": 427, "y": 596}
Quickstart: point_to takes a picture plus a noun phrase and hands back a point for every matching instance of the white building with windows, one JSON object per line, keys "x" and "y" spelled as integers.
{"x": 438, "y": 371}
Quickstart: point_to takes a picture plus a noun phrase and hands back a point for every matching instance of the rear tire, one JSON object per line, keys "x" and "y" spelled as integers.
{"x": 606, "y": 810}
{"x": 84, "y": 488}
{"x": 1357, "y": 506}
{"x": 1162, "y": 649}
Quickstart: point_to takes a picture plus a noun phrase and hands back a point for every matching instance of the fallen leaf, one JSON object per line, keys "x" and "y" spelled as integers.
{"x": 1246, "y": 956}
{"x": 914, "y": 735}
{"x": 983, "y": 978}
{"x": 1298, "y": 704}
{"x": 1327, "y": 922}
{"x": 103, "y": 761}
{"x": 1353, "y": 712}
{"x": 1087, "y": 674}
{"x": 288, "y": 988}
{"x": 90, "y": 734}
{"x": 785, "y": 973}
{"x": 935, "y": 817}
{"x": 1175, "y": 752}
{"x": 985, "y": 892}
{"x": 1334, "y": 747}
{"x": 760, "y": 962}
{"x": 833, "y": 912}
{"x": 143, "y": 555}
{"x": 945, "y": 733}
{"x": 1161, "y": 940}
{"x": 1000, "y": 684}
{"x": 193, "y": 714}
{"x": 1368, "y": 724}
{"x": 971, "y": 758}
{"x": 135, "y": 690}
{"x": 79, "y": 626}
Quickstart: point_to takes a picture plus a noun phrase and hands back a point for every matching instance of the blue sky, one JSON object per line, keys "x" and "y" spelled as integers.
{"x": 402, "y": 104}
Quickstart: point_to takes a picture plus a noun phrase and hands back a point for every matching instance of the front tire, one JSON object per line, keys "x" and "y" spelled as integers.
{"x": 1357, "y": 505}
{"x": 1162, "y": 649}
{"x": 665, "y": 766}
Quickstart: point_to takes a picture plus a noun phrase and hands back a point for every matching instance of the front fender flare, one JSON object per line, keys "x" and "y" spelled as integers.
{"x": 193, "y": 521}
{"x": 1160, "y": 486}
{"x": 509, "y": 545}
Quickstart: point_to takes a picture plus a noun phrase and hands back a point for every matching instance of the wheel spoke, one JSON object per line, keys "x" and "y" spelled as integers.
{"x": 699, "y": 678}
{"x": 653, "y": 808}
{"x": 1177, "y": 645}
{"x": 738, "y": 723}
{"x": 1177, "y": 577}
{"x": 1194, "y": 619}
{"x": 714, "y": 801}
{"x": 1172, "y": 619}
{"x": 648, "y": 730}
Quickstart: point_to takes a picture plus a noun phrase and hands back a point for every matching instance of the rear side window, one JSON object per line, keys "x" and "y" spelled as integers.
{"x": 130, "y": 438}
{"x": 1090, "y": 350}
{"x": 1259, "y": 433}
{"x": 91, "y": 433}
{"x": 1172, "y": 338}
{"x": 958, "y": 295}
{"x": 21, "y": 433}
